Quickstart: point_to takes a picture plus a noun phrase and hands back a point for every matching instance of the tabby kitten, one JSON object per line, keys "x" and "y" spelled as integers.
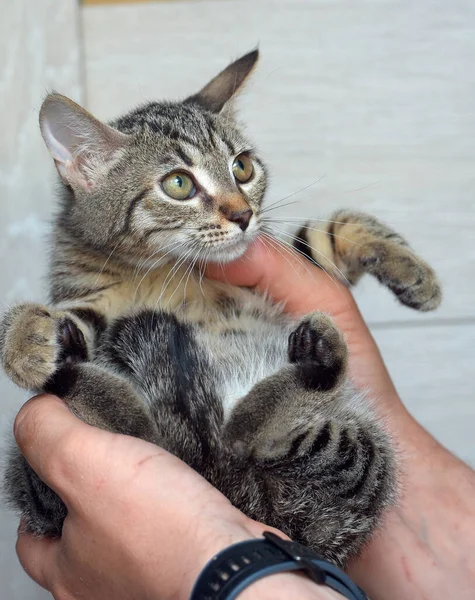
{"x": 257, "y": 402}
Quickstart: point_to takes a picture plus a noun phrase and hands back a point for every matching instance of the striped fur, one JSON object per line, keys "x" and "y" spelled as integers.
{"x": 136, "y": 340}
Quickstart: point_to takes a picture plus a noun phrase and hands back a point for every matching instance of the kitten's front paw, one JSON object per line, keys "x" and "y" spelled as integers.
{"x": 35, "y": 340}
{"x": 319, "y": 347}
{"x": 410, "y": 278}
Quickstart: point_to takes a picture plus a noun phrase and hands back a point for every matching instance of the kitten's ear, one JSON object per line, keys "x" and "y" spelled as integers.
{"x": 83, "y": 148}
{"x": 224, "y": 86}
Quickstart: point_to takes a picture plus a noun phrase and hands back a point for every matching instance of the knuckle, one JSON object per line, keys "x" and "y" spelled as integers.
{"x": 54, "y": 452}
{"x": 64, "y": 458}
{"x": 59, "y": 591}
{"x": 58, "y": 466}
{"x": 79, "y": 460}
{"x": 72, "y": 446}
{"x": 29, "y": 421}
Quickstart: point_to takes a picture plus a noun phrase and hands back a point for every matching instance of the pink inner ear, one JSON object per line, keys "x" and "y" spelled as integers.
{"x": 71, "y": 174}
{"x": 53, "y": 138}
{"x": 74, "y": 175}
{"x": 80, "y": 144}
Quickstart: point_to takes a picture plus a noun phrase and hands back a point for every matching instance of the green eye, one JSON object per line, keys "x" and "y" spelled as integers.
{"x": 179, "y": 186}
{"x": 242, "y": 168}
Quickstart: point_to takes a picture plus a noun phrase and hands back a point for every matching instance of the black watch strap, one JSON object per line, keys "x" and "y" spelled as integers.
{"x": 232, "y": 570}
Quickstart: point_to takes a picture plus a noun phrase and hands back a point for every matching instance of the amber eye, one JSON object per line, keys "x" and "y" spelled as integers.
{"x": 179, "y": 186}
{"x": 242, "y": 168}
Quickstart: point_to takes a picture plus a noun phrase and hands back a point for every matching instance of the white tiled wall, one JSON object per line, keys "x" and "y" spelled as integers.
{"x": 376, "y": 96}
{"x": 39, "y": 50}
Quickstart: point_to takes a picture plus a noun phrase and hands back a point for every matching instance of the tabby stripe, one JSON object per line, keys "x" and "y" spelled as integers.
{"x": 184, "y": 157}
{"x": 76, "y": 293}
{"x": 331, "y": 233}
{"x": 347, "y": 451}
{"x": 178, "y": 136}
{"x": 369, "y": 452}
{"x": 130, "y": 210}
{"x": 295, "y": 447}
{"x": 150, "y": 232}
{"x": 166, "y": 128}
{"x": 322, "y": 439}
{"x": 230, "y": 147}
{"x": 301, "y": 245}
{"x": 92, "y": 318}
{"x": 210, "y": 131}
{"x": 85, "y": 268}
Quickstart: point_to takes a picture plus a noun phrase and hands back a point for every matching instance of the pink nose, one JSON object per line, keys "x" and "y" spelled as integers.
{"x": 241, "y": 217}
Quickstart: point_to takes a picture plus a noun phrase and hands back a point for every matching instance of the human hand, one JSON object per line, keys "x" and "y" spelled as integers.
{"x": 426, "y": 548}
{"x": 303, "y": 288}
{"x": 141, "y": 524}
{"x": 421, "y": 552}
{"x": 135, "y": 512}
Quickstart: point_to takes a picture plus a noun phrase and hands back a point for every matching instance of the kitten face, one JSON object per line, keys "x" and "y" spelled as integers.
{"x": 194, "y": 203}
{"x": 165, "y": 181}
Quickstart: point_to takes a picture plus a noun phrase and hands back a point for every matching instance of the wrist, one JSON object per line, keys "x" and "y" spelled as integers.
{"x": 270, "y": 587}
{"x": 288, "y": 585}
{"x": 210, "y": 538}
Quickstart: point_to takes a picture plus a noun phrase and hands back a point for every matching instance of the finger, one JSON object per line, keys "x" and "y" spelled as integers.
{"x": 38, "y": 558}
{"x": 287, "y": 277}
{"x": 48, "y": 435}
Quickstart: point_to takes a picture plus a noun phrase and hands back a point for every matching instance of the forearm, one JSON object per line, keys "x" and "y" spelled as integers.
{"x": 426, "y": 548}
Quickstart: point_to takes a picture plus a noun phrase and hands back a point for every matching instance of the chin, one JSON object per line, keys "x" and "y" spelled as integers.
{"x": 227, "y": 252}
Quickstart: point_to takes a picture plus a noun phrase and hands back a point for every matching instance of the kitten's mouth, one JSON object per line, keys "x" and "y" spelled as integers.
{"x": 227, "y": 250}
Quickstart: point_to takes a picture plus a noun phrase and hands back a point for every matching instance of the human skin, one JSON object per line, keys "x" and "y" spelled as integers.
{"x": 142, "y": 524}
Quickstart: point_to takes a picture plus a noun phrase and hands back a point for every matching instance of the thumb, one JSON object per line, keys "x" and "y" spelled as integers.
{"x": 291, "y": 279}
{"x": 287, "y": 277}
{"x": 38, "y": 557}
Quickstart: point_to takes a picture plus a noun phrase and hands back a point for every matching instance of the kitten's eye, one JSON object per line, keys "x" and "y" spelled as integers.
{"x": 242, "y": 168}
{"x": 179, "y": 186}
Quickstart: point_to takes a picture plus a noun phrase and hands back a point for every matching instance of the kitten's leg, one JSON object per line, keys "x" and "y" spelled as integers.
{"x": 353, "y": 243}
{"x": 282, "y": 413}
{"x": 309, "y": 457}
{"x": 97, "y": 397}
{"x": 36, "y": 340}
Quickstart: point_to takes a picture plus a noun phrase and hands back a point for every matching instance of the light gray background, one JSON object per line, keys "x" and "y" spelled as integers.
{"x": 377, "y": 96}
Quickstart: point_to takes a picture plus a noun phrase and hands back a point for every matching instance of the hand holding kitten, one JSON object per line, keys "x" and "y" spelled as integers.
{"x": 180, "y": 521}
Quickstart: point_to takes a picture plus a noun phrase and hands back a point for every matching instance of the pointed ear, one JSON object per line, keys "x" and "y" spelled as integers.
{"x": 227, "y": 84}
{"x": 83, "y": 148}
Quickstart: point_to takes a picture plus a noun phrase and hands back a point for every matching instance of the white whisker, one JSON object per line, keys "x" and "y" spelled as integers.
{"x": 277, "y": 202}
{"x": 153, "y": 265}
{"x": 336, "y": 235}
{"x": 174, "y": 270}
{"x": 319, "y": 252}
{"x": 321, "y": 267}
{"x": 105, "y": 264}
{"x": 274, "y": 244}
{"x": 189, "y": 267}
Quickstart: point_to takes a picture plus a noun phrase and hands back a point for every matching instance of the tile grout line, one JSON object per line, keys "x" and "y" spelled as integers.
{"x": 82, "y": 75}
{"x": 443, "y": 322}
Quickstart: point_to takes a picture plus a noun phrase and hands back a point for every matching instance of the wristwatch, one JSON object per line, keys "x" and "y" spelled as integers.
{"x": 232, "y": 570}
